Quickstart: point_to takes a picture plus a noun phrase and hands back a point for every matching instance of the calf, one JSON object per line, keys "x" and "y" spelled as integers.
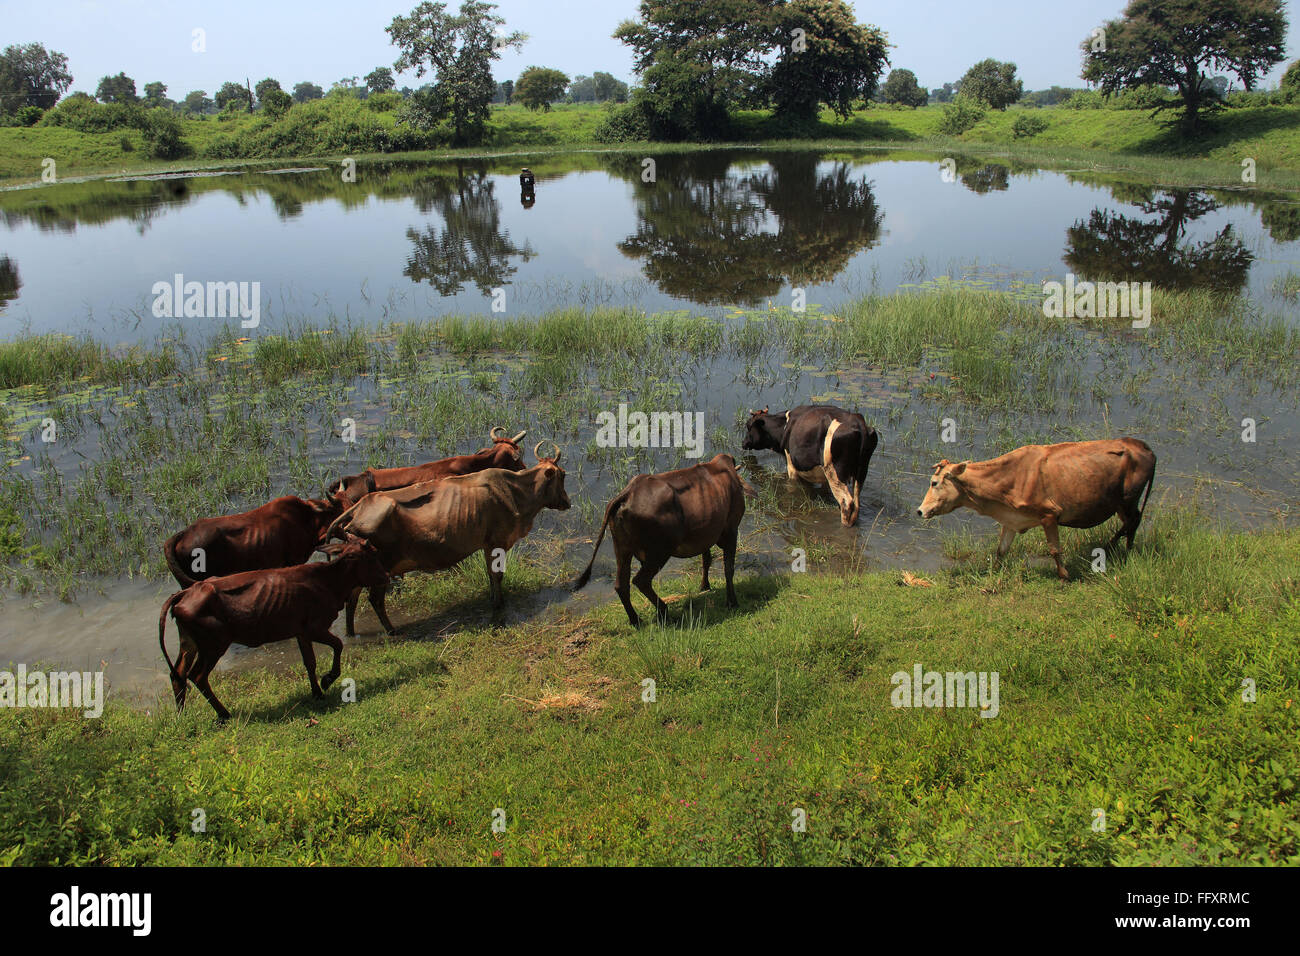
{"x": 434, "y": 525}
{"x": 822, "y": 444}
{"x": 1076, "y": 484}
{"x": 280, "y": 533}
{"x": 676, "y": 514}
{"x": 258, "y": 607}
{"x": 504, "y": 453}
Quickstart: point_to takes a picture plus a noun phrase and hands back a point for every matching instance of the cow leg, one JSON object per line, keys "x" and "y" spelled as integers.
{"x": 309, "y": 662}
{"x": 706, "y": 559}
{"x": 200, "y": 678}
{"x": 1131, "y": 516}
{"x": 329, "y": 640}
{"x": 1005, "y": 540}
{"x": 352, "y": 611}
{"x": 377, "y": 596}
{"x": 728, "y": 542}
{"x": 1054, "y": 545}
{"x": 186, "y": 662}
{"x": 644, "y": 582}
{"x": 496, "y": 579}
{"x": 622, "y": 577}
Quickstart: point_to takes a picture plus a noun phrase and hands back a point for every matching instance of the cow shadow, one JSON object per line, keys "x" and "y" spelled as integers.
{"x": 429, "y": 673}
{"x": 523, "y": 604}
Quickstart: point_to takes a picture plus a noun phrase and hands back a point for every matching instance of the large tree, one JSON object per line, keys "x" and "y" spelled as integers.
{"x": 304, "y": 91}
{"x": 458, "y": 49}
{"x": 839, "y": 64}
{"x": 1176, "y": 42}
{"x": 155, "y": 93}
{"x": 30, "y": 75}
{"x": 380, "y": 80}
{"x": 608, "y": 87}
{"x": 263, "y": 87}
{"x": 196, "y": 101}
{"x": 901, "y": 87}
{"x": 232, "y": 93}
{"x": 116, "y": 89}
{"x": 993, "y": 83}
{"x": 538, "y": 87}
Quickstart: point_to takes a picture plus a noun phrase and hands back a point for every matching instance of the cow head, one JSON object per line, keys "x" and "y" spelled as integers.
{"x": 551, "y": 484}
{"x": 763, "y": 430}
{"x": 348, "y": 491}
{"x": 505, "y": 451}
{"x": 324, "y": 511}
{"x": 361, "y": 554}
{"x": 945, "y": 492}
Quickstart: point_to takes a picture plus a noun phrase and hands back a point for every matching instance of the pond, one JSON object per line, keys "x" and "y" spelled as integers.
{"x": 714, "y": 229}
{"x": 735, "y": 237}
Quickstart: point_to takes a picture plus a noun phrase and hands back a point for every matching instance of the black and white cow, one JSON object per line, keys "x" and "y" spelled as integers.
{"x": 822, "y": 444}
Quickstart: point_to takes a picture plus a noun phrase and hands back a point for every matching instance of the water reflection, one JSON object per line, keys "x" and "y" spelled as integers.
{"x": 9, "y": 281}
{"x": 715, "y": 232}
{"x": 1113, "y": 246}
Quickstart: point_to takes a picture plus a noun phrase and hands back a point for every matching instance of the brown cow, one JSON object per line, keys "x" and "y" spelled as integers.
{"x": 280, "y": 533}
{"x": 504, "y": 453}
{"x": 257, "y": 607}
{"x": 675, "y": 514}
{"x": 433, "y": 525}
{"x": 1077, "y": 484}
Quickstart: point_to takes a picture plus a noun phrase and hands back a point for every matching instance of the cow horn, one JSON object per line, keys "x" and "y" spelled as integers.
{"x": 493, "y": 433}
{"x": 538, "y": 447}
{"x": 518, "y": 438}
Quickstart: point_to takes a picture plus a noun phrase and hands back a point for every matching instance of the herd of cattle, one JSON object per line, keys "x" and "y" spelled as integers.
{"x": 247, "y": 578}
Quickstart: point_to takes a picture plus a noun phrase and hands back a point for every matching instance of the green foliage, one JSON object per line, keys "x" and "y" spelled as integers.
{"x": 992, "y": 83}
{"x": 1175, "y": 43}
{"x": 538, "y": 87}
{"x": 623, "y": 124}
{"x": 264, "y": 87}
{"x": 155, "y": 94}
{"x": 384, "y": 102}
{"x": 87, "y": 116}
{"x": 276, "y": 102}
{"x": 901, "y": 87}
{"x": 116, "y": 89}
{"x": 380, "y": 80}
{"x": 233, "y": 95}
{"x": 30, "y": 75}
{"x": 961, "y": 114}
{"x": 305, "y": 92}
{"x": 1291, "y": 78}
{"x": 840, "y": 66}
{"x": 196, "y": 101}
{"x": 1027, "y": 125}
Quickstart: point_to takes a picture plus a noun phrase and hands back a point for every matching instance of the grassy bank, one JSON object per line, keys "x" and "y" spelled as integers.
{"x": 1118, "y": 692}
{"x": 1127, "y": 143}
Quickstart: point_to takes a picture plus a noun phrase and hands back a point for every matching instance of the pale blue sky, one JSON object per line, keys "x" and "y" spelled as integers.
{"x": 328, "y": 39}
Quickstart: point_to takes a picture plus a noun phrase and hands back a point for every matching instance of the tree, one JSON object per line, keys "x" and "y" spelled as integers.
{"x": 264, "y": 87}
{"x": 196, "y": 101}
{"x": 992, "y": 83}
{"x": 945, "y": 93}
{"x": 538, "y": 87}
{"x": 901, "y": 87}
{"x": 30, "y": 75}
{"x": 276, "y": 102}
{"x": 508, "y": 89}
{"x": 582, "y": 89}
{"x": 380, "y": 80}
{"x": 1170, "y": 42}
{"x": 155, "y": 94}
{"x": 608, "y": 87}
{"x": 116, "y": 89}
{"x": 233, "y": 94}
{"x": 1291, "y": 78}
{"x": 840, "y": 64}
{"x": 458, "y": 49}
{"x": 304, "y": 91}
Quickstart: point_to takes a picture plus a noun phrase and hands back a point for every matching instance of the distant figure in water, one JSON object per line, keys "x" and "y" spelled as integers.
{"x": 526, "y": 183}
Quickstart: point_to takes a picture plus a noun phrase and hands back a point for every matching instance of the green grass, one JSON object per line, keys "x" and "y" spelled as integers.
{"x": 1125, "y": 144}
{"x": 1133, "y": 707}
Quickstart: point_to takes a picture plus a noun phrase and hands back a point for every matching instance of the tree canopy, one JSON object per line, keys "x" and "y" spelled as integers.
{"x": 901, "y": 87}
{"x": 116, "y": 89}
{"x": 538, "y": 87}
{"x": 30, "y": 75}
{"x": 992, "y": 83}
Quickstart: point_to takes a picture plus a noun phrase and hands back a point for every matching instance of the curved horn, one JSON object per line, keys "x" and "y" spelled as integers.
{"x": 537, "y": 448}
{"x": 518, "y": 438}
{"x": 493, "y": 433}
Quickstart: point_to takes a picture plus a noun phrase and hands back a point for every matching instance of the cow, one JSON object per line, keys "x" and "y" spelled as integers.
{"x": 258, "y": 607}
{"x": 278, "y": 534}
{"x": 822, "y": 444}
{"x": 433, "y": 525}
{"x": 504, "y": 453}
{"x": 675, "y": 514}
{"x": 1077, "y": 484}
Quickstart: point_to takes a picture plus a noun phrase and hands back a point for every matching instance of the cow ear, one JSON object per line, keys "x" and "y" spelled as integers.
{"x": 958, "y": 469}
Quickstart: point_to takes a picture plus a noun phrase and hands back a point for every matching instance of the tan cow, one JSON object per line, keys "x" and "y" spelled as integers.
{"x": 433, "y": 525}
{"x": 1077, "y": 484}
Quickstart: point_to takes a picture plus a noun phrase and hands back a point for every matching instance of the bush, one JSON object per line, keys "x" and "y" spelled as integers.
{"x": 623, "y": 124}
{"x": 1027, "y": 125}
{"x": 960, "y": 115}
{"x": 126, "y": 144}
{"x": 87, "y": 116}
{"x": 276, "y": 103}
{"x": 162, "y": 135}
{"x": 384, "y": 102}
{"x": 29, "y": 115}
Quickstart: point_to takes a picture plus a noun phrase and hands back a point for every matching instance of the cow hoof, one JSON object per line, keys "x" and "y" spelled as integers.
{"x": 327, "y": 681}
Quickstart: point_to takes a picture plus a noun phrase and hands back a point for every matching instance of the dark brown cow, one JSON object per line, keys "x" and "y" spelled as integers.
{"x": 258, "y": 607}
{"x": 1077, "y": 484}
{"x": 280, "y": 533}
{"x": 433, "y": 525}
{"x": 504, "y": 453}
{"x": 675, "y": 514}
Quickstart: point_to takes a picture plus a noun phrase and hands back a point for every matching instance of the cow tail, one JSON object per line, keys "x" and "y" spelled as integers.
{"x": 1147, "y": 496}
{"x": 169, "y": 552}
{"x": 610, "y": 511}
{"x": 162, "y": 627}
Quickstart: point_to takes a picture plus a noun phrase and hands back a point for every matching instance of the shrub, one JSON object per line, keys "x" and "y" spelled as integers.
{"x": 960, "y": 115}
{"x": 384, "y": 102}
{"x": 162, "y": 135}
{"x": 1027, "y": 125}
{"x": 29, "y": 115}
{"x": 276, "y": 103}
{"x": 87, "y": 116}
{"x": 623, "y": 124}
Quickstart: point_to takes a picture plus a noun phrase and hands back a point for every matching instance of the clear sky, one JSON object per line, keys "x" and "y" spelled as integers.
{"x": 325, "y": 40}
